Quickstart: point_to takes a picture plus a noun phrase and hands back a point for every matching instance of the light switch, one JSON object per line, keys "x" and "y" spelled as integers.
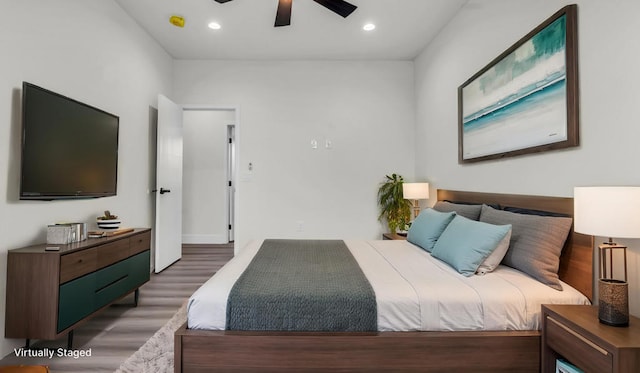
{"x": 314, "y": 144}
{"x": 328, "y": 144}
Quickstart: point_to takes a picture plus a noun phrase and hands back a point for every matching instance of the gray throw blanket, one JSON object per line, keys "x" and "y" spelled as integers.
{"x": 302, "y": 285}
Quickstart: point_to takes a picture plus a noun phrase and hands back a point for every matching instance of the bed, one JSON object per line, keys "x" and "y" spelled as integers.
{"x": 440, "y": 350}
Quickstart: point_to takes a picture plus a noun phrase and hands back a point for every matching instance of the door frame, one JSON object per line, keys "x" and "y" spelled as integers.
{"x": 231, "y": 162}
{"x": 236, "y": 110}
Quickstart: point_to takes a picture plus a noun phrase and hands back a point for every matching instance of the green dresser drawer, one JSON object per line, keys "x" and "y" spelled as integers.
{"x": 112, "y": 282}
{"x": 82, "y": 296}
{"x": 76, "y": 300}
{"x": 122, "y": 277}
{"x": 139, "y": 272}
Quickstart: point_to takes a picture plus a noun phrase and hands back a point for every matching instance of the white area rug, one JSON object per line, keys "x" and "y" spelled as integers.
{"x": 156, "y": 355}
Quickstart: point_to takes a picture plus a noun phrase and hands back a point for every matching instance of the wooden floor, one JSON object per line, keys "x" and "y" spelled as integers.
{"x": 120, "y": 330}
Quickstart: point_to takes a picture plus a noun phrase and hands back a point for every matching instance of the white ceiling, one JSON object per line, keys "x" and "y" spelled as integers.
{"x": 403, "y": 28}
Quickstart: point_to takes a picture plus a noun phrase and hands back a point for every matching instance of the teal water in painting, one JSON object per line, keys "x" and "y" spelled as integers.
{"x": 546, "y": 43}
{"x": 517, "y": 107}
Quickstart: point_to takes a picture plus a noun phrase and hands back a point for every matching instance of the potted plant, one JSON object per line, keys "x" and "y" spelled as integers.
{"x": 393, "y": 207}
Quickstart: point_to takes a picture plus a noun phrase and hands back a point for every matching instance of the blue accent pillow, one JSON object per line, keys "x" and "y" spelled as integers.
{"x": 428, "y": 226}
{"x": 466, "y": 243}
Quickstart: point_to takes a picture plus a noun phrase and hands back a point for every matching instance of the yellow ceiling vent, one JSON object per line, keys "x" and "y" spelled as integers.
{"x": 177, "y": 21}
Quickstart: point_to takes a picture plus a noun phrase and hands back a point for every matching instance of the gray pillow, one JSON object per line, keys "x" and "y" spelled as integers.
{"x": 536, "y": 243}
{"x": 468, "y": 211}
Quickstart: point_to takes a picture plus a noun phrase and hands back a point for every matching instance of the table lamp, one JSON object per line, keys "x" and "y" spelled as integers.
{"x": 415, "y": 192}
{"x": 609, "y": 212}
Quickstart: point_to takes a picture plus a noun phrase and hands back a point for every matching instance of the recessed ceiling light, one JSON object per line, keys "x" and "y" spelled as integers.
{"x": 369, "y": 27}
{"x": 214, "y": 26}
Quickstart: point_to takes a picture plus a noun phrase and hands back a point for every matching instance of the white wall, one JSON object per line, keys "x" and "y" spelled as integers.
{"x": 93, "y": 52}
{"x": 366, "y": 109}
{"x": 204, "y": 179}
{"x": 608, "y": 62}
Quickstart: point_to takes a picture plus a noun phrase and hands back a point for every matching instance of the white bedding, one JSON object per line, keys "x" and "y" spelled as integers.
{"x": 414, "y": 292}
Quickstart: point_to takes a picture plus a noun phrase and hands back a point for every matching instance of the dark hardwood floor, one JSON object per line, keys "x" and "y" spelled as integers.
{"x": 120, "y": 330}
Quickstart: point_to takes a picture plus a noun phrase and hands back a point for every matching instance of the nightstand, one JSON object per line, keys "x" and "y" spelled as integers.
{"x": 393, "y": 236}
{"x": 575, "y": 334}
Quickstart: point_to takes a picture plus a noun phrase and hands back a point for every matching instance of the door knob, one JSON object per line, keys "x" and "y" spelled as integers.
{"x": 163, "y": 191}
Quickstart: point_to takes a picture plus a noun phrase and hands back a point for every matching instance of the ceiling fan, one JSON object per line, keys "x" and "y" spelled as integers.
{"x": 283, "y": 14}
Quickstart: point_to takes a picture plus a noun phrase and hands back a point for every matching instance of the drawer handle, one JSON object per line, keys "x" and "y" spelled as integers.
{"x": 111, "y": 283}
{"x": 583, "y": 339}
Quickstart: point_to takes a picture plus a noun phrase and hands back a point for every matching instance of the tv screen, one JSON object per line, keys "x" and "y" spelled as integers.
{"x": 69, "y": 149}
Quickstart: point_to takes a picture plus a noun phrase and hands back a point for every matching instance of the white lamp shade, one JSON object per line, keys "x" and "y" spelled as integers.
{"x": 607, "y": 211}
{"x": 415, "y": 190}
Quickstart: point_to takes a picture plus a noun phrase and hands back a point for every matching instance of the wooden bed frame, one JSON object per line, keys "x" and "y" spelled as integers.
{"x": 477, "y": 351}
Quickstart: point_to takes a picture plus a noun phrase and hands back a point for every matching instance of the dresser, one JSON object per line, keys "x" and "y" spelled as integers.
{"x": 49, "y": 293}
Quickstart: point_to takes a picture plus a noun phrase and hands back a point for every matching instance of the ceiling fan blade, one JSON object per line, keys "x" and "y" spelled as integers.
{"x": 222, "y": 1}
{"x": 283, "y": 15}
{"x": 341, "y": 7}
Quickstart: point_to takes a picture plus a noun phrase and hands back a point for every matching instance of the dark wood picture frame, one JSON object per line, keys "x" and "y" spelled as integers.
{"x": 507, "y": 109}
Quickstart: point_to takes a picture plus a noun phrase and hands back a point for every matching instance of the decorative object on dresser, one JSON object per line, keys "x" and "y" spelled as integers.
{"x": 51, "y": 292}
{"x": 415, "y": 192}
{"x": 108, "y": 221}
{"x": 571, "y": 332}
{"x": 610, "y": 212}
{"x": 63, "y": 233}
{"x": 526, "y": 99}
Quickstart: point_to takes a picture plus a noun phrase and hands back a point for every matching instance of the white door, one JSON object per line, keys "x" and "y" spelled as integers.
{"x": 169, "y": 184}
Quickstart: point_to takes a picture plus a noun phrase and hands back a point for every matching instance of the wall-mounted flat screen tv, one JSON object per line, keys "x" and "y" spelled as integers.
{"x": 69, "y": 149}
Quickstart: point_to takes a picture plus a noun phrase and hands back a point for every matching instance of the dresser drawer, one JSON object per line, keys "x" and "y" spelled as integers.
{"x": 577, "y": 348}
{"x": 76, "y": 301}
{"x": 81, "y": 297}
{"x": 140, "y": 268}
{"x": 139, "y": 243}
{"x": 113, "y": 252}
{"x": 112, "y": 282}
{"x": 84, "y": 295}
{"x": 77, "y": 264}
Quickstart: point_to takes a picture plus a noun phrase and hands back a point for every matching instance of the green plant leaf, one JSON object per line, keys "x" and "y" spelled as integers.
{"x": 393, "y": 207}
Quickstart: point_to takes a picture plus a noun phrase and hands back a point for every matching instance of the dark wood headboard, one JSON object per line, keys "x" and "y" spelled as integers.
{"x": 576, "y": 261}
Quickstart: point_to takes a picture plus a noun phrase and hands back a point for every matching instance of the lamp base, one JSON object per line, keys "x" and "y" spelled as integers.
{"x": 605, "y": 322}
{"x": 613, "y": 302}
{"x": 416, "y": 208}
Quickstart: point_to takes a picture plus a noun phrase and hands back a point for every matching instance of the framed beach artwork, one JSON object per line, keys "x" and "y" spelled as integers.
{"x": 525, "y": 100}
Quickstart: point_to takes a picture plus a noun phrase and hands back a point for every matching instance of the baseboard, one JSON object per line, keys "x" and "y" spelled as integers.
{"x": 204, "y": 239}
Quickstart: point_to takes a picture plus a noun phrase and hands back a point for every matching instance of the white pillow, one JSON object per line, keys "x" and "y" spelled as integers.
{"x": 496, "y": 256}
